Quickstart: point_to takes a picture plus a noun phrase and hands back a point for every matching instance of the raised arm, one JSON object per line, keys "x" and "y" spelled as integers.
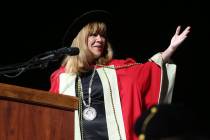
{"x": 176, "y": 40}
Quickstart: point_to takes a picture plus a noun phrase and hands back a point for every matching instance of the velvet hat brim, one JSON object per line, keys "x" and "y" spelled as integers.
{"x": 84, "y": 19}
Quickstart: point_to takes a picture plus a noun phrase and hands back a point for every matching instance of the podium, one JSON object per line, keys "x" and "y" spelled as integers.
{"x": 32, "y": 114}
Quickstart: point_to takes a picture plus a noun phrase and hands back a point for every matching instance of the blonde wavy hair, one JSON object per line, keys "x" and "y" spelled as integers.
{"x": 83, "y": 61}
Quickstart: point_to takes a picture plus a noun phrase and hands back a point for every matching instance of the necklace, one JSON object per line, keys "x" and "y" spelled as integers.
{"x": 80, "y": 94}
{"x": 89, "y": 113}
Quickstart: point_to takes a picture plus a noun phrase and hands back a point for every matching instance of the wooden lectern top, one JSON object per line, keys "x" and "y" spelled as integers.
{"x": 40, "y": 97}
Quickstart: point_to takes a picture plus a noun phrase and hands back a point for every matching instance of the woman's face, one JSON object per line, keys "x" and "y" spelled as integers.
{"x": 96, "y": 44}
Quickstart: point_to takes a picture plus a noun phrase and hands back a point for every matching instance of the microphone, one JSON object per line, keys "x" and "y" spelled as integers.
{"x": 60, "y": 52}
{"x": 65, "y": 50}
{"x": 39, "y": 61}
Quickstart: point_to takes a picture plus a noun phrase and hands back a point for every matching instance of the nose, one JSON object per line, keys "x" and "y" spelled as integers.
{"x": 98, "y": 38}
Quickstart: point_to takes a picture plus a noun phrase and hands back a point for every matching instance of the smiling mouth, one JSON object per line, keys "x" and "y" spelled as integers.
{"x": 98, "y": 46}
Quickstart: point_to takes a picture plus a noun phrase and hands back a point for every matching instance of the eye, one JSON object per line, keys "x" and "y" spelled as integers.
{"x": 102, "y": 35}
{"x": 93, "y": 34}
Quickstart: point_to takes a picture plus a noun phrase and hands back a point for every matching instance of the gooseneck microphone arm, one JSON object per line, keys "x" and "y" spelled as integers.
{"x": 39, "y": 61}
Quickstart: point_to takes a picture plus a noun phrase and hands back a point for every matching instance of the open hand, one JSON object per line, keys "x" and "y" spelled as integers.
{"x": 176, "y": 40}
{"x": 178, "y": 37}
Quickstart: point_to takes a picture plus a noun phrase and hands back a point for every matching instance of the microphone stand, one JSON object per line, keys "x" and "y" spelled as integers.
{"x": 38, "y": 61}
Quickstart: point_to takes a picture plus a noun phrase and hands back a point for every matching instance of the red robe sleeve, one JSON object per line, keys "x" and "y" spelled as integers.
{"x": 54, "y": 80}
{"x": 139, "y": 88}
{"x": 150, "y": 84}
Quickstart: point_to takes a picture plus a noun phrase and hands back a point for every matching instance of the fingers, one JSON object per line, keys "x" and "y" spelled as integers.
{"x": 178, "y": 30}
{"x": 186, "y": 31}
{"x": 184, "y": 34}
{"x": 188, "y": 28}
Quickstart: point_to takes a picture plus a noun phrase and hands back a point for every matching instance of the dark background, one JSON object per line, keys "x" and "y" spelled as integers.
{"x": 141, "y": 30}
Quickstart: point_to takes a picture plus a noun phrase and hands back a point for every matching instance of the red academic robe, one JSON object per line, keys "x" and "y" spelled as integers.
{"x": 139, "y": 89}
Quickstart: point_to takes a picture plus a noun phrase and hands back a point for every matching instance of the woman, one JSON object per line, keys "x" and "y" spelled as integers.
{"x": 113, "y": 93}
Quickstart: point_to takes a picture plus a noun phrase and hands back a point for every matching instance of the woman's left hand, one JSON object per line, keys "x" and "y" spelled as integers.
{"x": 178, "y": 38}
